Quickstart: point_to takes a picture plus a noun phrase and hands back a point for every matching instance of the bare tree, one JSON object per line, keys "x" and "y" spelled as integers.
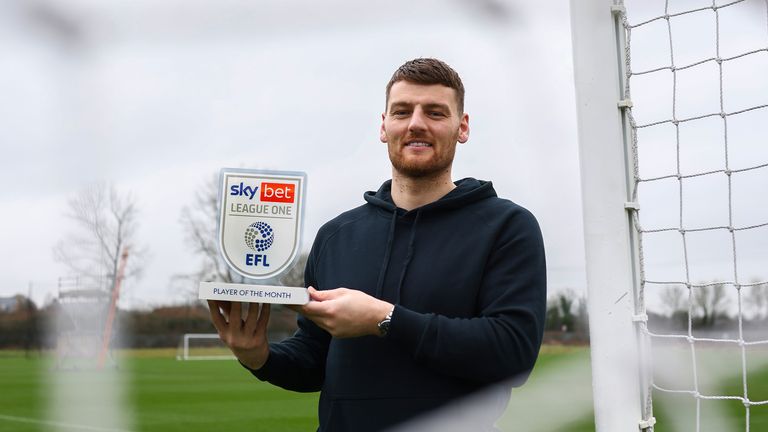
{"x": 105, "y": 224}
{"x": 756, "y": 299}
{"x": 295, "y": 276}
{"x": 710, "y": 302}
{"x": 672, "y": 297}
{"x": 200, "y": 221}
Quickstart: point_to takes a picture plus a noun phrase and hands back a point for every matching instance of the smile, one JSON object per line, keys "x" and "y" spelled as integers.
{"x": 418, "y": 144}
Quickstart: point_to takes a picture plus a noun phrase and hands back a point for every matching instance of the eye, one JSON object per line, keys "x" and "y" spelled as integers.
{"x": 400, "y": 113}
{"x": 436, "y": 114}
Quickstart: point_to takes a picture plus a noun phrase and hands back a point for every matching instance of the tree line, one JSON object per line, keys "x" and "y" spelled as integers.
{"x": 105, "y": 224}
{"x": 25, "y": 327}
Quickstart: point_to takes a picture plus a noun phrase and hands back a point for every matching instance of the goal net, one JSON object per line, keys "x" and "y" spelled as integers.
{"x": 203, "y": 346}
{"x": 684, "y": 127}
{"x": 78, "y": 324}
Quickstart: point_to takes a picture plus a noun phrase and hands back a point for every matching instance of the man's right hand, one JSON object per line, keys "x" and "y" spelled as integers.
{"x": 246, "y": 339}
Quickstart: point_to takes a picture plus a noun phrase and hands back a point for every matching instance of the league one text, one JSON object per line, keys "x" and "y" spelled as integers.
{"x": 261, "y": 216}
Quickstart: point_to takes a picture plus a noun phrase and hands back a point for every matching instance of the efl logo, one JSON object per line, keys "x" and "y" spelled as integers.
{"x": 278, "y": 192}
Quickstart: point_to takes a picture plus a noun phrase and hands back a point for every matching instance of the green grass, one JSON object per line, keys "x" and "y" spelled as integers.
{"x": 21, "y": 390}
{"x": 676, "y": 412}
{"x": 557, "y": 396}
{"x": 163, "y": 394}
{"x": 170, "y": 395}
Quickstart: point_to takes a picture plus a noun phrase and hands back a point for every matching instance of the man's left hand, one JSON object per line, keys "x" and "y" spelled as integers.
{"x": 344, "y": 312}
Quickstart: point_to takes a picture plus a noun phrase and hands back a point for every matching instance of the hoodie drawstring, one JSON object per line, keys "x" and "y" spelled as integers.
{"x": 408, "y": 256}
{"x": 387, "y": 254}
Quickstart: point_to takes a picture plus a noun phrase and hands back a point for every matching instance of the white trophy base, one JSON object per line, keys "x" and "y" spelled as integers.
{"x": 253, "y": 293}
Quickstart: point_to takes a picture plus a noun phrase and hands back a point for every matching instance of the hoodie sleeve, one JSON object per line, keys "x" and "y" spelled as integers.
{"x": 505, "y": 337}
{"x": 298, "y": 363}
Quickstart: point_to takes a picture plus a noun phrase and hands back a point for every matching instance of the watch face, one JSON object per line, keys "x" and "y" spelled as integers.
{"x": 384, "y": 327}
{"x": 384, "y": 324}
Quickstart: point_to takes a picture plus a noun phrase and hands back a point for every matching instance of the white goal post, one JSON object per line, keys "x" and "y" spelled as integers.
{"x": 617, "y": 381}
{"x": 690, "y": 149}
{"x": 210, "y": 349}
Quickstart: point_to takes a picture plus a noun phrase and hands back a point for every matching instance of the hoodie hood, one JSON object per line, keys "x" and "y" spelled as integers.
{"x": 467, "y": 191}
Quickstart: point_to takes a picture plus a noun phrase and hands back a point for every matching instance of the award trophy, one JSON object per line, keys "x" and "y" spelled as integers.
{"x": 261, "y": 218}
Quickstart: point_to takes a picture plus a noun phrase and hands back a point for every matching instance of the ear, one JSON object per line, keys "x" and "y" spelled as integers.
{"x": 464, "y": 129}
{"x": 383, "y": 131}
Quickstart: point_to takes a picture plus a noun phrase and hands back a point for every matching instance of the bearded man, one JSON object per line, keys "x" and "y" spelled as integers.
{"x": 430, "y": 291}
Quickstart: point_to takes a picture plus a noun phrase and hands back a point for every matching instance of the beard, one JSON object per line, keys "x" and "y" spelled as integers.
{"x": 439, "y": 163}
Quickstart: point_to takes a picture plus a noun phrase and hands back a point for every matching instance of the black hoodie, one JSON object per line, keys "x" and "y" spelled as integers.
{"x": 467, "y": 276}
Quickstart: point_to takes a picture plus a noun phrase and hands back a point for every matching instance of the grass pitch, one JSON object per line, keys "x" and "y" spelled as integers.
{"x": 166, "y": 395}
{"x": 162, "y": 394}
{"x": 186, "y": 396}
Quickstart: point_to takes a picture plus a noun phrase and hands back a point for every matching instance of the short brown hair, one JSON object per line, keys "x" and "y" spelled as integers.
{"x": 429, "y": 71}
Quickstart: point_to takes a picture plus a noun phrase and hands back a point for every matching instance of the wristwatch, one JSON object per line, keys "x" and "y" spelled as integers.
{"x": 384, "y": 324}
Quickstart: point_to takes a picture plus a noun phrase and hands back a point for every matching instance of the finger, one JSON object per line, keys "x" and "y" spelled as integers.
{"x": 314, "y": 309}
{"x": 321, "y": 295}
{"x": 218, "y": 320}
{"x": 315, "y": 312}
{"x": 235, "y": 317}
{"x": 226, "y": 307}
{"x": 261, "y": 326}
{"x": 252, "y": 319}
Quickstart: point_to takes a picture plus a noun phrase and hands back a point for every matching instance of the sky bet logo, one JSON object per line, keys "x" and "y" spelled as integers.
{"x": 241, "y": 189}
{"x": 270, "y": 192}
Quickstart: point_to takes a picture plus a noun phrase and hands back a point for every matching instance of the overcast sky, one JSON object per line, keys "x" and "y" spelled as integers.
{"x": 157, "y": 96}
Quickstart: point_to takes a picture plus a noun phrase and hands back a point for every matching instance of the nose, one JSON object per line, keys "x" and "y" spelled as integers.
{"x": 418, "y": 121}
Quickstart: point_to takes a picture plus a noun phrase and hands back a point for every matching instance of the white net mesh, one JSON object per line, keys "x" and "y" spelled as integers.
{"x": 696, "y": 102}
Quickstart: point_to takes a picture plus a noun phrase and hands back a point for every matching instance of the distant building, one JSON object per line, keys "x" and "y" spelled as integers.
{"x": 9, "y": 304}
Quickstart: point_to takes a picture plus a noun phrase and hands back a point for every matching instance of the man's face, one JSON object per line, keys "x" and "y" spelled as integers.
{"x": 421, "y": 127}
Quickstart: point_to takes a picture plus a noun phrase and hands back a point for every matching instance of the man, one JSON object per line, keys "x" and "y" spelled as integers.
{"x": 430, "y": 291}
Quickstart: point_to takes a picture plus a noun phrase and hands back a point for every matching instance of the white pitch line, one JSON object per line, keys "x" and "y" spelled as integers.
{"x": 59, "y": 424}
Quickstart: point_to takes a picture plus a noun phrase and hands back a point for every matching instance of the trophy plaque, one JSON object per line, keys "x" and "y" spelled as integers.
{"x": 261, "y": 217}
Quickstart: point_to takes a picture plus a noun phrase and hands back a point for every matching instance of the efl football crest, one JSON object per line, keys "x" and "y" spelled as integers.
{"x": 260, "y": 225}
{"x": 260, "y": 220}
